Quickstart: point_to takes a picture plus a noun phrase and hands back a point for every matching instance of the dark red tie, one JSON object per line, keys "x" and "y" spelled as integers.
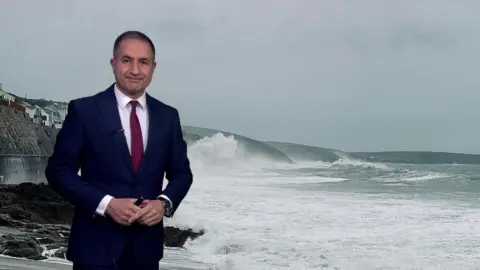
{"x": 136, "y": 136}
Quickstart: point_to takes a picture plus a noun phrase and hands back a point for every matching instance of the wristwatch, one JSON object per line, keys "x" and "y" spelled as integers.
{"x": 167, "y": 207}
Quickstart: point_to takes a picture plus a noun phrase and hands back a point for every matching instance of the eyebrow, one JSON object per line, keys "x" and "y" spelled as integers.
{"x": 141, "y": 58}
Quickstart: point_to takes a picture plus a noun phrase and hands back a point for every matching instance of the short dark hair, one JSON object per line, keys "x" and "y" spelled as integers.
{"x": 132, "y": 35}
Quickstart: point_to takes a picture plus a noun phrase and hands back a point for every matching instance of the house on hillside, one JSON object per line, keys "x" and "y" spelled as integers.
{"x": 46, "y": 120}
{"x": 52, "y": 115}
{"x": 56, "y": 114}
{"x": 7, "y": 96}
{"x": 33, "y": 112}
{"x": 60, "y": 108}
{"x": 2, "y": 94}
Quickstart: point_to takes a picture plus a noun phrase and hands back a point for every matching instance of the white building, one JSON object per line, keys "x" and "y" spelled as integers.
{"x": 33, "y": 112}
{"x": 45, "y": 116}
{"x": 6, "y": 96}
{"x": 57, "y": 114}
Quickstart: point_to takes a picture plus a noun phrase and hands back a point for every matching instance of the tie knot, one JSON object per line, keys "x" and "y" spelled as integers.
{"x": 134, "y": 104}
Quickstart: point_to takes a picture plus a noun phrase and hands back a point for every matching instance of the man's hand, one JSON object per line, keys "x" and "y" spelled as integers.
{"x": 121, "y": 210}
{"x": 151, "y": 213}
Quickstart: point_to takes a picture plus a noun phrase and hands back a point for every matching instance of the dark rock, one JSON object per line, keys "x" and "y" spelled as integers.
{"x": 60, "y": 253}
{"x": 177, "y": 237}
{"x": 25, "y": 246}
{"x": 36, "y": 203}
{"x": 43, "y": 219}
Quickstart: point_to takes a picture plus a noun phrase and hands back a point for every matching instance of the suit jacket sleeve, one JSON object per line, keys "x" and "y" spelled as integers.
{"x": 178, "y": 170}
{"x": 63, "y": 166}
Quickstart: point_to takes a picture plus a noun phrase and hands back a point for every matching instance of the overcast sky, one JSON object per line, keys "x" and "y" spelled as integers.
{"x": 353, "y": 75}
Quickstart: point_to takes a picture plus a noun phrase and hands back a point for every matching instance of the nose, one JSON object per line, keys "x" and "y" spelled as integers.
{"x": 135, "y": 70}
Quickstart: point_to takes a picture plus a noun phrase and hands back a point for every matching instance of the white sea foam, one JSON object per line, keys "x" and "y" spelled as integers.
{"x": 253, "y": 223}
{"x": 414, "y": 176}
{"x": 345, "y": 161}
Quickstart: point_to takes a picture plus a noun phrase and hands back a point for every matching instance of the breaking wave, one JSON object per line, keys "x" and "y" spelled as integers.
{"x": 242, "y": 147}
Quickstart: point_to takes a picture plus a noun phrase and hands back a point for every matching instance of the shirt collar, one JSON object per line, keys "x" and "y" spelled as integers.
{"x": 123, "y": 100}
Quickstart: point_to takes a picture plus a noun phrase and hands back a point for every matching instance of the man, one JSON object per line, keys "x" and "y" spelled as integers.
{"x": 123, "y": 141}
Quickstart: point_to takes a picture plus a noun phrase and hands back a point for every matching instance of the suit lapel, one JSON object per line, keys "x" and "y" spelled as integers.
{"x": 155, "y": 131}
{"x": 107, "y": 105}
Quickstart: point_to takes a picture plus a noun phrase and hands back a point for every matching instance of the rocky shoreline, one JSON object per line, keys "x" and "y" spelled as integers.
{"x": 38, "y": 218}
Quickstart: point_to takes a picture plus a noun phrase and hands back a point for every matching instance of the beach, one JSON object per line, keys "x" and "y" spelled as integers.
{"x": 174, "y": 259}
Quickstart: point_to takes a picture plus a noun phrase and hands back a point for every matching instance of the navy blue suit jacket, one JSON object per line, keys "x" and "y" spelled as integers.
{"x": 90, "y": 140}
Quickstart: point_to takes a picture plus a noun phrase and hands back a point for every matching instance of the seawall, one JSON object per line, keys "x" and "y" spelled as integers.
{"x": 16, "y": 169}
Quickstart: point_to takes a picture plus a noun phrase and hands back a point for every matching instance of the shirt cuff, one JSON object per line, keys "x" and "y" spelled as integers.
{"x": 165, "y": 197}
{"x": 102, "y": 206}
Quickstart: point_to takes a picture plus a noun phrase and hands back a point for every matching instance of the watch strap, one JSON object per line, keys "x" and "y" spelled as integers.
{"x": 167, "y": 207}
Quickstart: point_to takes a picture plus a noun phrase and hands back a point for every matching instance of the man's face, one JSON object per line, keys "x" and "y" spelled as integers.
{"x": 133, "y": 66}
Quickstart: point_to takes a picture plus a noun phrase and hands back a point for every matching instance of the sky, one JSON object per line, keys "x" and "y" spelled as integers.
{"x": 364, "y": 75}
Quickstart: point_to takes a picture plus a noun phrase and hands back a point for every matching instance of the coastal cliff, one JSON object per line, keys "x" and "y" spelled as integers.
{"x": 20, "y": 136}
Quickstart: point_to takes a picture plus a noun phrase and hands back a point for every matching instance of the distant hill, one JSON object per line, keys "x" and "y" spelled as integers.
{"x": 418, "y": 157}
{"x": 302, "y": 152}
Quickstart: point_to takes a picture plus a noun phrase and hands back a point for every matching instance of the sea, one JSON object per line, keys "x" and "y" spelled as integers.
{"x": 347, "y": 213}
{"x": 267, "y": 205}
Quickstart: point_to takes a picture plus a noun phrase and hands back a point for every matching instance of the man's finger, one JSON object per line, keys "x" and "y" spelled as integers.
{"x": 138, "y": 214}
{"x": 153, "y": 213}
{"x": 153, "y": 220}
{"x": 135, "y": 208}
{"x": 148, "y": 215}
{"x": 134, "y": 217}
{"x": 131, "y": 211}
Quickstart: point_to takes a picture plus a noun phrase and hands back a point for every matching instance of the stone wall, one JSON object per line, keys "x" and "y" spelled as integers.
{"x": 20, "y": 136}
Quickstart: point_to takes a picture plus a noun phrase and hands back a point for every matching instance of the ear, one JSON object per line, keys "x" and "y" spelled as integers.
{"x": 113, "y": 63}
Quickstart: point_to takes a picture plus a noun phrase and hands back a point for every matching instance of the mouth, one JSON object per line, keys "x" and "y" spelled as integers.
{"x": 134, "y": 80}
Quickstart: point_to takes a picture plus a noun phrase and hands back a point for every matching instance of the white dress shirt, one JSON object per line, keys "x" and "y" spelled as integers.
{"x": 124, "y": 110}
